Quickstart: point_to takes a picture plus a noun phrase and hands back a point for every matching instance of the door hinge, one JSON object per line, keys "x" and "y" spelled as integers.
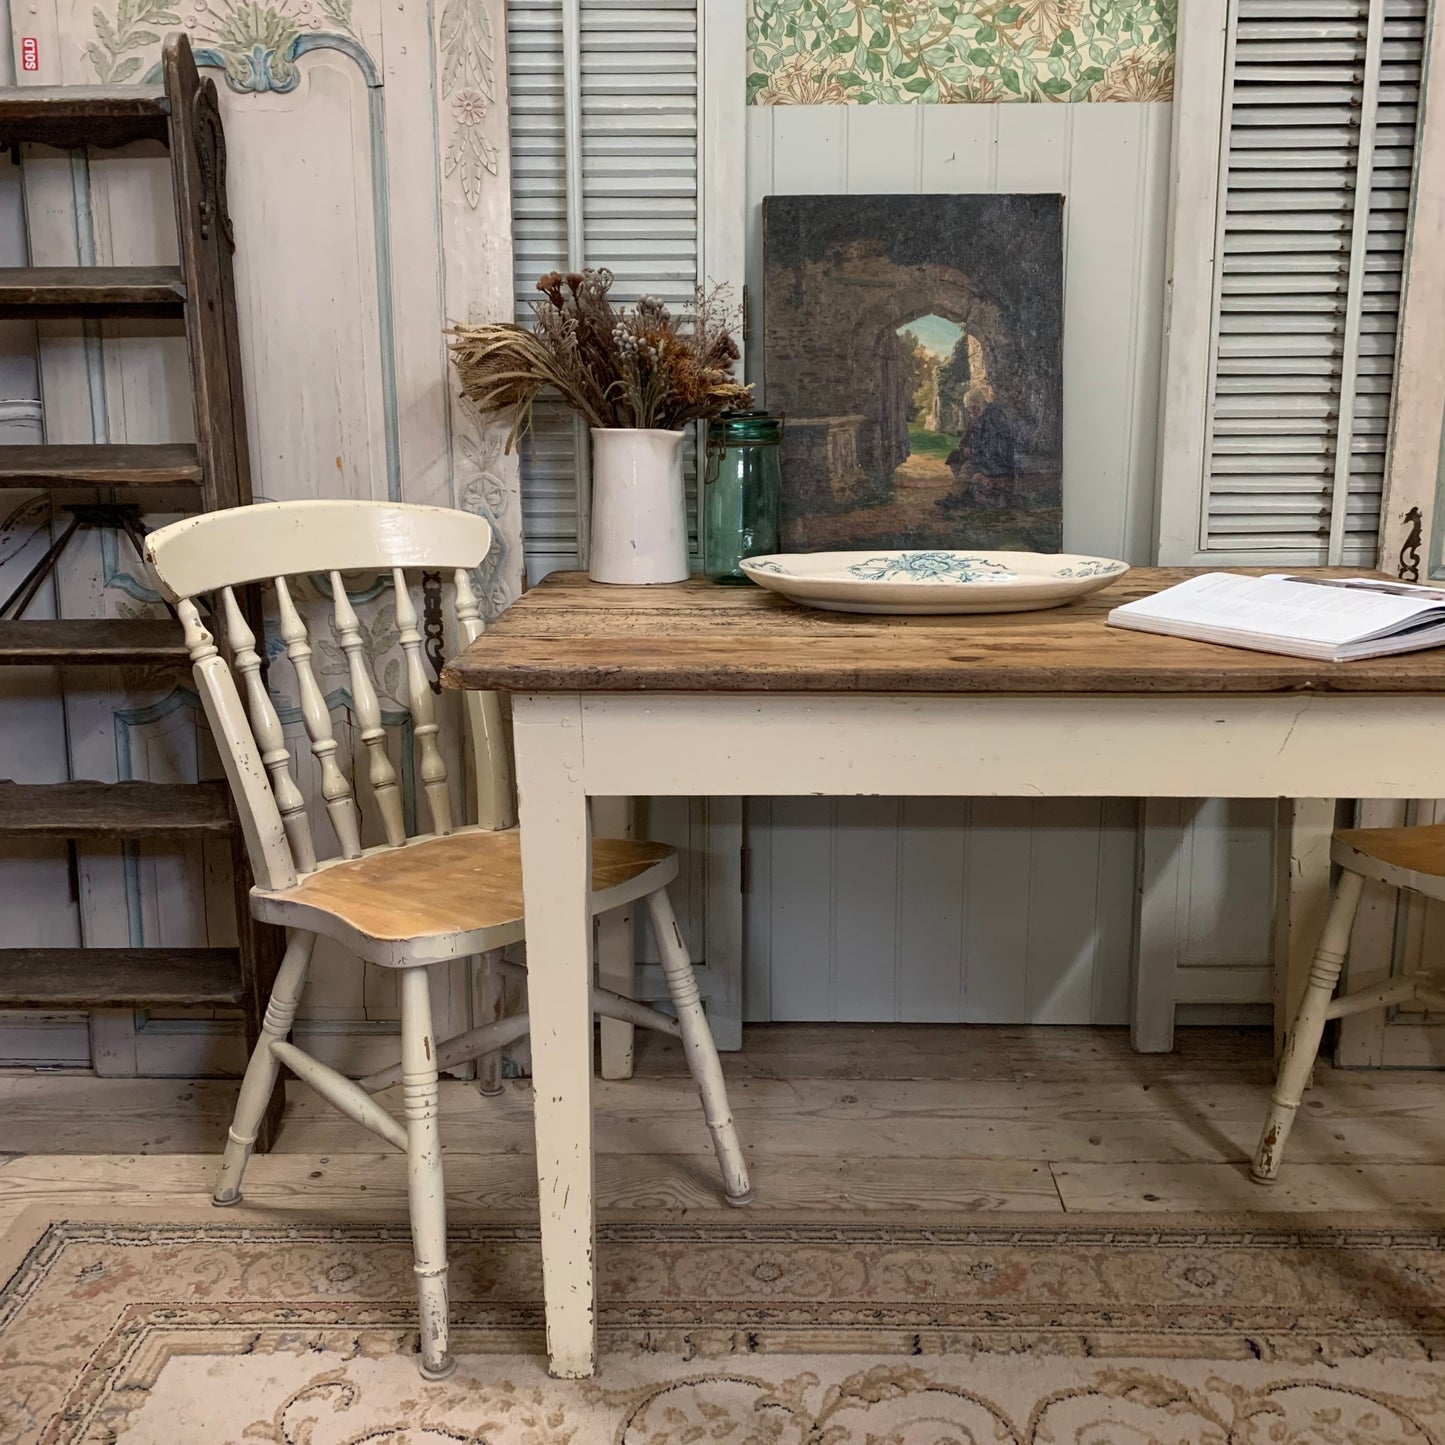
{"x": 747, "y": 314}
{"x": 745, "y": 869}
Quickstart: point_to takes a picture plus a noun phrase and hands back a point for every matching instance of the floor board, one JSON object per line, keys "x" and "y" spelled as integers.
{"x": 1227, "y": 1188}
{"x": 836, "y": 1120}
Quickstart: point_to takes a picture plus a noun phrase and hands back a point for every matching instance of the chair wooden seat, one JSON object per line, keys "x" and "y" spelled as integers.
{"x": 461, "y": 892}
{"x": 1387, "y": 854}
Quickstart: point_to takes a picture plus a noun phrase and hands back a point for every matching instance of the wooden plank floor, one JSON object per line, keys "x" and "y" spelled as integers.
{"x": 836, "y": 1120}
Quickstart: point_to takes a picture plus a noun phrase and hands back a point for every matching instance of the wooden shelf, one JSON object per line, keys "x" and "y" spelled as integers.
{"x": 47, "y": 291}
{"x": 87, "y": 978}
{"x": 183, "y": 116}
{"x": 80, "y": 642}
{"x": 111, "y": 810}
{"x": 72, "y": 115}
{"x": 55, "y": 467}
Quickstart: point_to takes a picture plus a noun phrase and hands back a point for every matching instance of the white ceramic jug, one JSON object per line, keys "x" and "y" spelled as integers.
{"x": 639, "y": 513}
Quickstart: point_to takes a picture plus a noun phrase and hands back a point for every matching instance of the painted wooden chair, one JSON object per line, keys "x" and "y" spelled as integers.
{"x": 1410, "y": 858}
{"x": 452, "y": 892}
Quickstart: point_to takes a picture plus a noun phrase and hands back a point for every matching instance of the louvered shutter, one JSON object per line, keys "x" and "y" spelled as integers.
{"x": 632, "y": 201}
{"x": 1320, "y": 110}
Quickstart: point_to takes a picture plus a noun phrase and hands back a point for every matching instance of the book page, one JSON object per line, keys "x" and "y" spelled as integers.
{"x": 1412, "y": 590}
{"x": 1272, "y": 607}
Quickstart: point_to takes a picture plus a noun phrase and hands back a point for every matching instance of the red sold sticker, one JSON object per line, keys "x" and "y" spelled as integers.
{"x": 29, "y": 53}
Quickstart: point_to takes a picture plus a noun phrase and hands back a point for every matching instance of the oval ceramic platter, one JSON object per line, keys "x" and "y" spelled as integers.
{"x": 932, "y": 582}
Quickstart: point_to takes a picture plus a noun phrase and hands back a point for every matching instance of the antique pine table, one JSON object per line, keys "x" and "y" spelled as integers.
{"x": 719, "y": 691}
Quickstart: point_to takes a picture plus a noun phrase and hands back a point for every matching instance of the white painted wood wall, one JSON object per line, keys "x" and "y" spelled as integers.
{"x": 1001, "y": 910}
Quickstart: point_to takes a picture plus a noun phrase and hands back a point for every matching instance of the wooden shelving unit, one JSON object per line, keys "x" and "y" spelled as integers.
{"x": 85, "y": 115}
{"x": 49, "y": 291}
{"x": 64, "y": 978}
{"x": 78, "y": 642}
{"x": 127, "y": 468}
{"x": 109, "y": 810}
{"x": 214, "y": 471}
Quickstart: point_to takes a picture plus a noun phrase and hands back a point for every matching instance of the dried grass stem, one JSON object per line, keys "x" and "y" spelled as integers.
{"x": 615, "y": 366}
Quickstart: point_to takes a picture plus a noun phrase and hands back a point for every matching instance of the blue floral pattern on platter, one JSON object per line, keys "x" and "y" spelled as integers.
{"x": 1093, "y": 569}
{"x": 769, "y": 567}
{"x": 929, "y": 567}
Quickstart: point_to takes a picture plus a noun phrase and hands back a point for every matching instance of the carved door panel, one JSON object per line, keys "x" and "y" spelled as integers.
{"x": 368, "y": 185}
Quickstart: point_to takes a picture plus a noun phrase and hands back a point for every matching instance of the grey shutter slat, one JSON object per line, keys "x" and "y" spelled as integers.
{"x": 1291, "y": 175}
{"x": 539, "y": 239}
{"x": 638, "y": 124}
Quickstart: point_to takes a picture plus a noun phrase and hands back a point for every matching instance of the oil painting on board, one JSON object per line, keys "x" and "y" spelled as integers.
{"x": 914, "y": 345}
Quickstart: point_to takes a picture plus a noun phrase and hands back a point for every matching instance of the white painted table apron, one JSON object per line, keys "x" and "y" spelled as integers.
{"x": 571, "y": 746}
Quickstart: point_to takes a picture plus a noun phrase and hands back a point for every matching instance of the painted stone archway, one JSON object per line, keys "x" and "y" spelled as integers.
{"x": 918, "y": 292}
{"x": 843, "y": 276}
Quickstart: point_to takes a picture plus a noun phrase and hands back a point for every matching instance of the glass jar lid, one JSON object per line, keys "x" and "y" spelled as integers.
{"x": 745, "y": 428}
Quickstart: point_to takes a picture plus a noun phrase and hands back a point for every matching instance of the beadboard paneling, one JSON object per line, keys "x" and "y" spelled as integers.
{"x": 919, "y": 910}
{"x": 996, "y": 909}
{"x": 1111, "y": 164}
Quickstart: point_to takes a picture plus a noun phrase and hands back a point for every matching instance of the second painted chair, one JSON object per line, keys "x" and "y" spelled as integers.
{"x": 1412, "y": 859}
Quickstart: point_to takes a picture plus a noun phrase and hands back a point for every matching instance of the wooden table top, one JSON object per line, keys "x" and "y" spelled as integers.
{"x": 572, "y": 635}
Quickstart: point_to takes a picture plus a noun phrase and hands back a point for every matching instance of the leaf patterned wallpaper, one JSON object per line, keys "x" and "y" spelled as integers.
{"x": 893, "y": 52}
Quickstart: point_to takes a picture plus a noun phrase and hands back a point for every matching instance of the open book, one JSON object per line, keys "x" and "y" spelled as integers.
{"x": 1336, "y": 619}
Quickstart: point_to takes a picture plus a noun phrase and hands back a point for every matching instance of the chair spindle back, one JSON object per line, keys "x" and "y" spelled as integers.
{"x": 275, "y": 543}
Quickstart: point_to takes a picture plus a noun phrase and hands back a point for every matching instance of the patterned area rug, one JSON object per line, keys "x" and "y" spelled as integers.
{"x": 1064, "y": 1332}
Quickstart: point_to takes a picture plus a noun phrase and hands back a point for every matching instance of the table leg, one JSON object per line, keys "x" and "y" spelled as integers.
{"x": 556, "y": 871}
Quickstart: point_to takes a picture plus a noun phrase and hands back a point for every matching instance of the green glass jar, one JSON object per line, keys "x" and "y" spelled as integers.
{"x": 740, "y": 491}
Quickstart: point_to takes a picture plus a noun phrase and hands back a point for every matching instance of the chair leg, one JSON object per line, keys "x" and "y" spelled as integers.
{"x": 425, "y": 1192}
{"x": 1303, "y": 1041}
{"x": 262, "y": 1069}
{"x": 616, "y": 971}
{"x": 699, "y": 1047}
{"x": 490, "y": 1007}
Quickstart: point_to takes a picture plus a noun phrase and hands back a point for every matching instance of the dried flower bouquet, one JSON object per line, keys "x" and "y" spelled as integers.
{"x": 618, "y": 367}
